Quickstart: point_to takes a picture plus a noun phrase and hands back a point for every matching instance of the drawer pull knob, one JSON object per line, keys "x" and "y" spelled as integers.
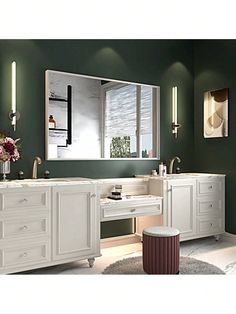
{"x": 24, "y": 227}
{"x": 133, "y": 210}
{"x": 210, "y": 205}
{"x": 23, "y": 200}
{"x": 24, "y": 254}
{"x": 211, "y": 224}
{"x": 210, "y": 187}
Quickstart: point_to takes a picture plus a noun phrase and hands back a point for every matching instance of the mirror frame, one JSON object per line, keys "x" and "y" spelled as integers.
{"x": 156, "y": 118}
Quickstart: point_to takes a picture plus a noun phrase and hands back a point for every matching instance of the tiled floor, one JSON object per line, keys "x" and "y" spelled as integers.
{"x": 220, "y": 253}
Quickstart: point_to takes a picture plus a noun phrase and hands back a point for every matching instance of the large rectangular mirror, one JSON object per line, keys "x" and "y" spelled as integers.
{"x": 97, "y": 118}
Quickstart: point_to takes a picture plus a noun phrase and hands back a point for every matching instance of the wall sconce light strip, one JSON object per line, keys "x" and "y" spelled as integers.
{"x": 13, "y": 92}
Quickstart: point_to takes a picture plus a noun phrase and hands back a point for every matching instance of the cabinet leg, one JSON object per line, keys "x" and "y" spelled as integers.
{"x": 217, "y": 237}
{"x": 91, "y": 261}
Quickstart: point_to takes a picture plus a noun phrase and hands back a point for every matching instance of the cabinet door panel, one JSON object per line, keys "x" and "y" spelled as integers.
{"x": 182, "y": 206}
{"x": 74, "y": 221}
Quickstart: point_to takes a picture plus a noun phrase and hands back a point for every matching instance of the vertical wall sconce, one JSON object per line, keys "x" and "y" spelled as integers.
{"x": 14, "y": 115}
{"x": 175, "y": 125}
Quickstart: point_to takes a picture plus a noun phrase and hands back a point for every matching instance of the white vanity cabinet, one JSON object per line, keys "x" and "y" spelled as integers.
{"x": 76, "y": 223}
{"x": 47, "y": 224}
{"x": 193, "y": 204}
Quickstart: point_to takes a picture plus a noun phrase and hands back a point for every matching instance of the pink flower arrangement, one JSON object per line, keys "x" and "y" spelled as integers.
{"x": 8, "y": 148}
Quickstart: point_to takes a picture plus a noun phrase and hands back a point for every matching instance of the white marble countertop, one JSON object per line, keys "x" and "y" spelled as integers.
{"x": 45, "y": 182}
{"x": 183, "y": 175}
{"x": 82, "y": 180}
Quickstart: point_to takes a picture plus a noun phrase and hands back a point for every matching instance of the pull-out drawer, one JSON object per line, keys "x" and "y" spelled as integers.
{"x": 112, "y": 210}
{"x": 24, "y": 227}
{"x": 24, "y": 199}
{"x": 20, "y": 255}
{"x": 210, "y": 225}
{"x": 209, "y": 187}
{"x": 209, "y": 206}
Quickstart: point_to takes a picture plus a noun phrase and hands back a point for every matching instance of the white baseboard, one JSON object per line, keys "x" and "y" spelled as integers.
{"x": 120, "y": 240}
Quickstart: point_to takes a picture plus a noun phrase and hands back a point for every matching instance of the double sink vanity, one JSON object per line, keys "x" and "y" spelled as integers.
{"x": 45, "y": 222}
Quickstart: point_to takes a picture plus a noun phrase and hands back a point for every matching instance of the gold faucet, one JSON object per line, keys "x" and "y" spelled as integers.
{"x": 36, "y": 161}
{"x": 172, "y": 163}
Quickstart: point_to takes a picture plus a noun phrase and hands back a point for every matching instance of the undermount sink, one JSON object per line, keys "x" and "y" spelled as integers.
{"x": 69, "y": 179}
{"x": 174, "y": 175}
{"x": 187, "y": 174}
{"x": 42, "y": 180}
{"x": 178, "y": 175}
{"x": 199, "y": 174}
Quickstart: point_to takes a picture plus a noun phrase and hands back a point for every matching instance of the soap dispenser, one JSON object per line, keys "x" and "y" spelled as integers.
{"x": 161, "y": 167}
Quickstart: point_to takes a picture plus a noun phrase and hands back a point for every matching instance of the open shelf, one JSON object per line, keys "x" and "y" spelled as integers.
{"x": 67, "y": 100}
{"x": 54, "y": 129}
{"x": 58, "y": 99}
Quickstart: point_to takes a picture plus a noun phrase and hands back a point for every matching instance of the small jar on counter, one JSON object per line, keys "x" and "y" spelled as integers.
{"x": 118, "y": 188}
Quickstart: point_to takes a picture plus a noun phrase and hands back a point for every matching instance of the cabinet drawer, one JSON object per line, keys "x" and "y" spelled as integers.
{"x": 210, "y": 225}
{"x": 209, "y": 206}
{"x": 24, "y": 227}
{"x": 24, "y": 255}
{"x": 109, "y": 213}
{"x": 27, "y": 199}
{"x": 209, "y": 187}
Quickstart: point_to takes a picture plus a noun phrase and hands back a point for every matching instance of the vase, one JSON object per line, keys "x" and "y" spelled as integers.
{"x": 5, "y": 168}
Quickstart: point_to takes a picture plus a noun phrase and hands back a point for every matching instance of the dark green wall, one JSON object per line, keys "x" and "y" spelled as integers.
{"x": 159, "y": 62}
{"x": 215, "y": 68}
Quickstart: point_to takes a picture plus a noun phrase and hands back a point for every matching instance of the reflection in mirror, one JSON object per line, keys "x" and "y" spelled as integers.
{"x": 93, "y": 118}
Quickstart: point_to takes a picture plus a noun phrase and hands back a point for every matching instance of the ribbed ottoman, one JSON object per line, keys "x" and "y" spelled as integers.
{"x": 161, "y": 250}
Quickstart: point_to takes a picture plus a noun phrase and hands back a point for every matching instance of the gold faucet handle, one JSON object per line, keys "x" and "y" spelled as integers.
{"x": 38, "y": 159}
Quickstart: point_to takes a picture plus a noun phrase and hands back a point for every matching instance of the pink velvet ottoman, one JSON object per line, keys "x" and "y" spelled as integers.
{"x": 161, "y": 250}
